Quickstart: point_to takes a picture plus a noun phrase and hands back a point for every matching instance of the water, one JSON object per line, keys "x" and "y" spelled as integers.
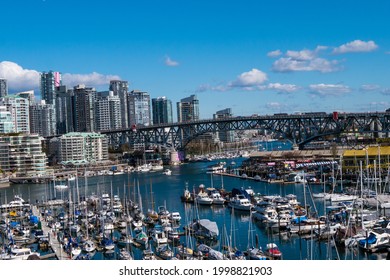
{"x": 278, "y": 145}
{"x": 167, "y": 191}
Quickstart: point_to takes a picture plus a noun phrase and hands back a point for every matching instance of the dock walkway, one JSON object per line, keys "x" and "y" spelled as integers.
{"x": 53, "y": 241}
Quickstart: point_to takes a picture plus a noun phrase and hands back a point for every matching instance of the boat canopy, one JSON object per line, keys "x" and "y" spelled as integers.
{"x": 34, "y": 219}
{"x": 210, "y": 226}
{"x": 299, "y": 219}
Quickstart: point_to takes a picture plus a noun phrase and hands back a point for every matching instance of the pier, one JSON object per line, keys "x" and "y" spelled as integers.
{"x": 55, "y": 245}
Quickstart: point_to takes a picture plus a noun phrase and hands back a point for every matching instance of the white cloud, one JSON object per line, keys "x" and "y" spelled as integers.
{"x": 321, "y": 48}
{"x": 169, "y": 62}
{"x": 380, "y": 103}
{"x": 329, "y": 89}
{"x": 289, "y": 64}
{"x": 369, "y": 87}
{"x": 92, "y": 79}
{"x": 305, "y": 60}
{"x": 18, "y": 78}
{"x": 251, "y": 78}
{"x": 385, "y": 91}
{"x": 283, "y": 88}
{"x": 207, "y": 87}
{"x": 274, "y": 53}
{"x": 301, "y": 55}
{"x": 356, "y": 46}
{"x": 274, "y": 105}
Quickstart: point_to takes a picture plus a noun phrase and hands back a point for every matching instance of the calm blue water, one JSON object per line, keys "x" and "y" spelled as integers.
{"x": 274, "y": 145}
{"x": 168, "y": 189}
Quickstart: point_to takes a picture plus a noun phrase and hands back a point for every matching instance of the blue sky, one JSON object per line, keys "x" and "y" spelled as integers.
{"x": 256, "y": 57}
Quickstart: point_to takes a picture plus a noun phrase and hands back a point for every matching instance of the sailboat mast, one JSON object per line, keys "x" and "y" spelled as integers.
{"x": 304, "y": 192}
{"x": 341, "y": 173}
{"x": 361, "y": 191}
{"x": 376, "y": 188}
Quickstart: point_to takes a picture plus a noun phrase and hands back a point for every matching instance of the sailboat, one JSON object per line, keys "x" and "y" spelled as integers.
{"x": 253, "y": 251}
{"x": 152, "y": 214}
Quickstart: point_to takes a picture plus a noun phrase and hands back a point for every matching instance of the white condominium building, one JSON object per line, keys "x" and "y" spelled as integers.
{"x": 6, "y": 123}
{"x": 82, "y": 148}
{"x": 19, "y": 109}
{"x": 21, "y": 155}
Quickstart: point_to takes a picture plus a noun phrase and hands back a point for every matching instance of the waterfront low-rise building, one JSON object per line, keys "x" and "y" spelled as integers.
{"x": 82, "y": 148}
{"x": 21, "y": 155}
{"x": 370, "y": 157}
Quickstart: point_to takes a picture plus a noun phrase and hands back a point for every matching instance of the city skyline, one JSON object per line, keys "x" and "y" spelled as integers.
{"x": 256, "y": 57}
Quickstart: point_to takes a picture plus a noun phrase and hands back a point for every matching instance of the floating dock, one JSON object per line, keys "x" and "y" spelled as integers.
{"x": 55, "y": 245}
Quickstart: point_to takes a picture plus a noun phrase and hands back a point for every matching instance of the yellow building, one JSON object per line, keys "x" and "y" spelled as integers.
{"x": 370, "y": 158}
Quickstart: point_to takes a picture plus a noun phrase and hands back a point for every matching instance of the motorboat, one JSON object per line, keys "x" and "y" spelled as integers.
{"x": 148, "y": 255}
{"x": 217, "y": 198}
{"x": 335, "y": 197}
{"x": 17, "y": 203}
{"x": 156, "y": 167}
{"x": 167, "y": 172}
{"x": 255, "y": 254}
{"x": 376, "y": 240}
{"x": 203, "y": 198}
{"x": 144, "y": 168}
{"x": 164, "y": 252}
{"x": 61, "y": 187}
{"x": 264, "y": 214}
{"x": 175, "y": 217}
{"x": 187, "y": 195}
{"x": 302, "y": 225}
{"x": 89, "y": 246}
{"x": 272, "y": 251}
{"x": 158, "y": 235}
{"x": 216, "y": 168}
{"x": 240, "y": 202}
{"x": 125, "y": 254}
{"x": 19, "y": 253}
{"x": 173, "y": 233}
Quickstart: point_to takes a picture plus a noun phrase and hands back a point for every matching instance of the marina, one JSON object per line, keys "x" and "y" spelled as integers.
{"x": 140, "y": 215}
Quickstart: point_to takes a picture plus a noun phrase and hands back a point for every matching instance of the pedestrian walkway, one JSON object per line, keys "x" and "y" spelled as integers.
{"x": 55, "y": 245}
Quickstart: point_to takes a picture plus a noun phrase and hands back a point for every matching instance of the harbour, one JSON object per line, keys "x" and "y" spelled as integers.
{"x": 141, "y": 193}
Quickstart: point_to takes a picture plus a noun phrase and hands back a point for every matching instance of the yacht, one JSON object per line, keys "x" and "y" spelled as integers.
{"x": 17, "y": 203}
{"x": 240, "y": 202}
{"x": 156, "y": 167}
{"x": 19, "y": 253}
{"x": 305, "y": 225}
{"x": 264, "y": 213}
{"x": 216, "y": 168}
{"x": 158, "y": 235}
{"x": 272, "y": 251}
{"x": 144, "y": 168}
{"x": 202, "y": 198}
{"x": 175, "y": 217}
{"x": 61, "y": 187}
{"x": 217, "y": 198}
{"x": 377, "y": 240}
